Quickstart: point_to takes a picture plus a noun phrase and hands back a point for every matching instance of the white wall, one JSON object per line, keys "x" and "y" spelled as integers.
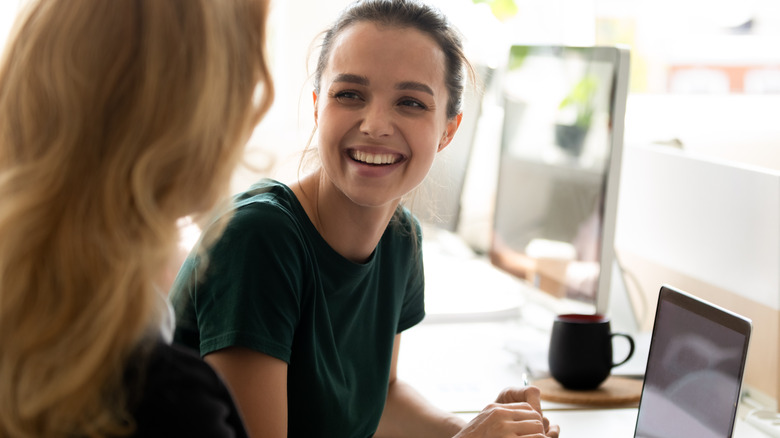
{"x": 708, "y": 219}
{"x": 739, "y": 128}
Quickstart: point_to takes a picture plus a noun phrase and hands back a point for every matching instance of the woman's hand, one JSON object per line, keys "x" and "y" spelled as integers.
{"x": 505, "y": 420}
{"x": 533, "y": 396}
{"x": 516, "y": 412}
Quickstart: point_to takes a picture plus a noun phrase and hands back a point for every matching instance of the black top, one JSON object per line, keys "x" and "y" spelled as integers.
{"x": 182, "y": 396}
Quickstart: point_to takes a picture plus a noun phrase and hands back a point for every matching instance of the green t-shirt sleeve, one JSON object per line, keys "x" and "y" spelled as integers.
{"x": 413, "y": 308}
{"x": 250, "y": 293}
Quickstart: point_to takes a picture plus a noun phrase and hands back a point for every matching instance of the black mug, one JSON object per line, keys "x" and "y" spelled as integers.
{"x": 580, "y": 355}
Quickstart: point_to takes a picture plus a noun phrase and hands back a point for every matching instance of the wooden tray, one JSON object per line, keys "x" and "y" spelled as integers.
{"x": 614, "y": 391}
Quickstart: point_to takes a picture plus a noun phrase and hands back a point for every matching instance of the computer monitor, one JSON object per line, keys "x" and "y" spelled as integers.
{"x": 559, "y": 169}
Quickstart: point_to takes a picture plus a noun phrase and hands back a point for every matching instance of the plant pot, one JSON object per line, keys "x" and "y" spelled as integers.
{"x": 571, "y": 138}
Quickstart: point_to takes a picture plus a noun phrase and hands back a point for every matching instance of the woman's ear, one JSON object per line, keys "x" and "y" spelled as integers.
{"x": 314, "y": 98}
{"x": 449, "y": 133}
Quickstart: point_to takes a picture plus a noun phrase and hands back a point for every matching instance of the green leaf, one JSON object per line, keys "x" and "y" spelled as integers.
{"x": 580, "y": 98}
{"x": 502, "y": 9}
{"x": 517, "y": 55}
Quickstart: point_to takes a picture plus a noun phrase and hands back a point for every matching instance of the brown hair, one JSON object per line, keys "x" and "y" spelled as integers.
{"x": 413, "y": 14}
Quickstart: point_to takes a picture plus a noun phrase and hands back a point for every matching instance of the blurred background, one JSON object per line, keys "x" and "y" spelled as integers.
{"x": 705, "y": 74}
{"x": 704, "y": 83}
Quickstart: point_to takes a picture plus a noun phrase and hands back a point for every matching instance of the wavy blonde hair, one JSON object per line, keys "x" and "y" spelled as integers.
{"x": 116, "y": 119}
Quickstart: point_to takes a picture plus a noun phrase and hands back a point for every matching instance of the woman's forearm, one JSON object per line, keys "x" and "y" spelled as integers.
{"x": 408, "y": 414}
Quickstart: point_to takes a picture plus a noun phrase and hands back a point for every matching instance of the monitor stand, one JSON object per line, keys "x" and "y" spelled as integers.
{"x": 623, "y": 318}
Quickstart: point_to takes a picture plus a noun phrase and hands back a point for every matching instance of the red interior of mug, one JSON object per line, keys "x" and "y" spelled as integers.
{"x": 582, "y": 317}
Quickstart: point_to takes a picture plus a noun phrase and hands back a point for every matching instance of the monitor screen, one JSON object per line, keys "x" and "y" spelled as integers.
{"x": 559, "y": 168}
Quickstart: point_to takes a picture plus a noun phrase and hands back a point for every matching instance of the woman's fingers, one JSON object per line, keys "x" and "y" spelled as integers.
{"x": 531, "y": 397}
{"x": 528, "y": 394}
{"x": 510, "y": 419}
{"x": 529, "y": 427}
{"x": 518, "y": 411}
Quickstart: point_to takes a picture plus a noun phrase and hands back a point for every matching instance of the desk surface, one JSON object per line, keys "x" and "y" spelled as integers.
{"x": 467, "y": 362}
{"x": 587, "y": 423}
{"x": 466, "y": 365}
{"x": 611, "y": 423}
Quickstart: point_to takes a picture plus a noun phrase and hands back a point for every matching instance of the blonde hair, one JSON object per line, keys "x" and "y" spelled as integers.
{"x": 116, "y": 119}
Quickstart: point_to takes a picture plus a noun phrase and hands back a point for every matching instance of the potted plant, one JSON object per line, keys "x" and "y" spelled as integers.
{"x": 576, "y": 115}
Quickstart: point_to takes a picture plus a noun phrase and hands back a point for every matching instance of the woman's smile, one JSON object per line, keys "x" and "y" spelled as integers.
{"x": 374, "y": 158}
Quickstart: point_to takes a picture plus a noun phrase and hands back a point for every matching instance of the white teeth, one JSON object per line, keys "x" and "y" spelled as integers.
{"x": 368, "y": 158}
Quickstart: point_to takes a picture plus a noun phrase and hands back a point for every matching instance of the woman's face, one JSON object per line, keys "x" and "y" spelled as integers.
{"x": 381, "y": 112}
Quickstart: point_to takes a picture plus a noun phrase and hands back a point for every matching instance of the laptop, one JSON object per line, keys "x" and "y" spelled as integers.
{"x": 694, "y": 370}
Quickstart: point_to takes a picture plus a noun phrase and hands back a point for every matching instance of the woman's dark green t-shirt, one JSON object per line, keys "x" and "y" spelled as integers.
{"x": 274, "y": 285}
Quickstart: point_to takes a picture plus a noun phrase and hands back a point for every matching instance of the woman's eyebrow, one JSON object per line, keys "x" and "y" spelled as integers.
{"x": 362, "y": 80}
{"x": 348, "y": 77}
{"x": 411, "y": 85}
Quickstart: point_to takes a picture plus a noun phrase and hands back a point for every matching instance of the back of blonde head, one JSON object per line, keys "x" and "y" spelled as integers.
{"x": 116, "y": 119}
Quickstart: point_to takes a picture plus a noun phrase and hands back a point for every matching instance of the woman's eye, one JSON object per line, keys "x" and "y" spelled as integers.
{"x": 412, "y": 103}
{"x": 347, "y": 96}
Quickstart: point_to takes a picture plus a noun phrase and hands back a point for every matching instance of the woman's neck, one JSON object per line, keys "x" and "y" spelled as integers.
{"x": 352, "y": 230}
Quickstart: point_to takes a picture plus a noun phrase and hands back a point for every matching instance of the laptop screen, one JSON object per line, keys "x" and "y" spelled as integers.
{"x": 694, "y": 369}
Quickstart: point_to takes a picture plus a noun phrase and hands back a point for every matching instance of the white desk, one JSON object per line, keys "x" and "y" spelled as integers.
{"x": 612, "y": 423}
{"x": 461, "y": 366}
{"x": 588, "y": 423}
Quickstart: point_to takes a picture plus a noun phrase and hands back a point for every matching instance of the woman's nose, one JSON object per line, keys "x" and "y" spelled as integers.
{"x": 377, "y": 121}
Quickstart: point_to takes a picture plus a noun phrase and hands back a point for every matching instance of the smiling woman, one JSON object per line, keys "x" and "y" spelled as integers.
{"x": 302, "y": 306}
